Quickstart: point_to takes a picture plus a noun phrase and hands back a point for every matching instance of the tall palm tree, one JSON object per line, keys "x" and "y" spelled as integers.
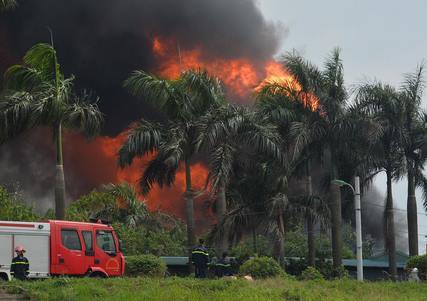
{"x": 383, "y": 102}
{"x": 414, "y": 123}
{"x": 7, "y": 4}
{"x": 318, "y": 123}
{"x": 38, "y": 94}
{"x": 258, "y": 201}
{"x": 231, "y": 135}
{"x": 184, "y": 101}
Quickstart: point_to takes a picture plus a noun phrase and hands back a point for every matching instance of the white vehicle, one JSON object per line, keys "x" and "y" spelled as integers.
{"x": 35, "y": 237}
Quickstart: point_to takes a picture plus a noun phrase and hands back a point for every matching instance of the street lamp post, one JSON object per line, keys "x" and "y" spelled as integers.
{"x": 356, "y": 193}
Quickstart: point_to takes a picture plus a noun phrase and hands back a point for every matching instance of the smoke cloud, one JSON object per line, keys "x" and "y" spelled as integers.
{"x": 373, "y": 205}
{"x": 101, "y": 42}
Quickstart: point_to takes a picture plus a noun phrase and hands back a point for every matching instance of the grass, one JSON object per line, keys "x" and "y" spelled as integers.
{"x": 215, "y": 290}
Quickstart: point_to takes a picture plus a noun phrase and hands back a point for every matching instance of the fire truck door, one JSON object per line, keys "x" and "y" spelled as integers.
{"x": 106, "y": 253}
{"x": 70, "y": 253}
{"x": 89, "y": 255}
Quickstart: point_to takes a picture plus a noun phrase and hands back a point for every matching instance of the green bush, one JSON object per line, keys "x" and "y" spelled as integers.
{"x": 12, "y": 209}
{"x": 261, "y": 267}
{"x": 246, "y": 248}
{"x": 95, "y": 204}
{"x": 418, "y": 262}
{"x": 340, "y": 272}
{"x": 311, "y": 273}
{"x": 328, "y": 271}
{"x": 145, "y": 265}
{"x": 295, "y": 266}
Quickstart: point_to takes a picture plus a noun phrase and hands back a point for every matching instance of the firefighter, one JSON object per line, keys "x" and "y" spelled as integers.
{"x": 20, "y": 265}
{"x": 200, "y": 259}
{"x": 223, "y": 266}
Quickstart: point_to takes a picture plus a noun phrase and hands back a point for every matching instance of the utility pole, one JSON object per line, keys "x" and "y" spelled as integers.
{"x": 359, "y": 246}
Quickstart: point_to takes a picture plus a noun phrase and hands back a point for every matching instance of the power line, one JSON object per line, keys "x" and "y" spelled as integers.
{"x": 394, "y": 209}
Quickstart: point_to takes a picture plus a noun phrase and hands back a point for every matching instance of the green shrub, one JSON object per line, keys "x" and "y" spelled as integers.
{"x": 12, "y": 209}
{"x": 340, "y": 272}
{"x": 418, "y": 262}
{"x": 261, "y": 267}
{"x": 311, "y": 273}
{"x": 295, "y": 266}
{"x": 246, "y": 248}
{"x": 145, "y": 265}
{"x": 95, "y": 204}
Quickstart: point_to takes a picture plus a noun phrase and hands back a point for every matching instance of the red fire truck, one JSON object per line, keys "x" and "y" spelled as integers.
{"x": 62, "y": 248}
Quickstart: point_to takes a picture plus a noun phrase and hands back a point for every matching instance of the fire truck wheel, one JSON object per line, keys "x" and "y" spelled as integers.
{"x": 96, "y": 275}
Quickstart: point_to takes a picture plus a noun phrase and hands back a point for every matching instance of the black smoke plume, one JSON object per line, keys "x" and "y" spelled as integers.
{"x": 101, "y": 42}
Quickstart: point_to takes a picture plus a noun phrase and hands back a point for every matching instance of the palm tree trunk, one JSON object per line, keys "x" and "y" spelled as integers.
{"x": 59, "y": 176}
{"x": 310, "y": 224}
{"x": 336, "y": 220}
{"x": 281, "y": 241}
{"x": 189, "y": 204}
{"x": 389, "y": 223}
{"x": 221, "y": 211}
{"x": 412, "y": 214}
{"x": 311, "y": 242}
{"x": 254, "y": 240}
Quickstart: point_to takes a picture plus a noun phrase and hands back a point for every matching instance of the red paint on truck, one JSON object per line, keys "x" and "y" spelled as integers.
{"x": 73, "y": 248}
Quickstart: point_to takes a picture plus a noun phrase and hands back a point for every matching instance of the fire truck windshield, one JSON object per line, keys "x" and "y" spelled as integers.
{"x": 105, "y": 241}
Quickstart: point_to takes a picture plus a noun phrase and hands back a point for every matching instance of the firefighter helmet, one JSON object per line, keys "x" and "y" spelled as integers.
{"x": 19, "y": 249}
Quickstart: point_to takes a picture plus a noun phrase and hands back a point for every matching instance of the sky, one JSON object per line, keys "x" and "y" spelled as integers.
{"x": 380, "y": 39}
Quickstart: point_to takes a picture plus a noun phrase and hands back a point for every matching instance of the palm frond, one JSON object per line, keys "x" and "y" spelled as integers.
{"x": 42, "y": 57}
{"x": 413, "y": 86}
{"x": 334, "y": 76}
{"x": 221, "y": 161}
{"x": 305, "y": 73}
{"x": 7, "y": 4}
{"x": 23, "y": 78}
{"x": 134, "y": 210}
{"x": 157, "y": 172}
{"x": 16, "y": 114}
{"x": 171, "y": 149}
{"x": 165, "y": 94}
{"x": 84, "y": 115}
{"x": 206, "y": 90}
{"x": 144, "y": 137}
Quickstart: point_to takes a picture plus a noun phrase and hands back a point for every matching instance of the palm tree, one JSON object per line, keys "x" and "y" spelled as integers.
{"x": 231, "y": 135}
{"x": 258, "y": 201}
{"x": 383, "y": 102}
{"x": 416, "y": 128}
{"x": 184, "y": 101}
{"x": 7, "y": 4}
{"x": 317, "y": 118}
{"x": 38, "y": 94}
{"x": 132, "y": 211}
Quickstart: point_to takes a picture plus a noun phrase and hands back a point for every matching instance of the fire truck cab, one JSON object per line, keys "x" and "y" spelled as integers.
{"x": 62, "y": 248}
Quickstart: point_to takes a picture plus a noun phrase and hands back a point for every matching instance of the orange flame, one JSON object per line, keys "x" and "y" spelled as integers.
{"x": 96, "y": 161}
{"x": 241, "y": 76}
{"x": 276, "y": 74}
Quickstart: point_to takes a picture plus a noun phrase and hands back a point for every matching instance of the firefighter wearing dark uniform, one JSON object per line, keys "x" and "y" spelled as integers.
{"x": 223, "y": 266}
{"x": 200, "y": 259}
{"x": 20, "y": 265}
